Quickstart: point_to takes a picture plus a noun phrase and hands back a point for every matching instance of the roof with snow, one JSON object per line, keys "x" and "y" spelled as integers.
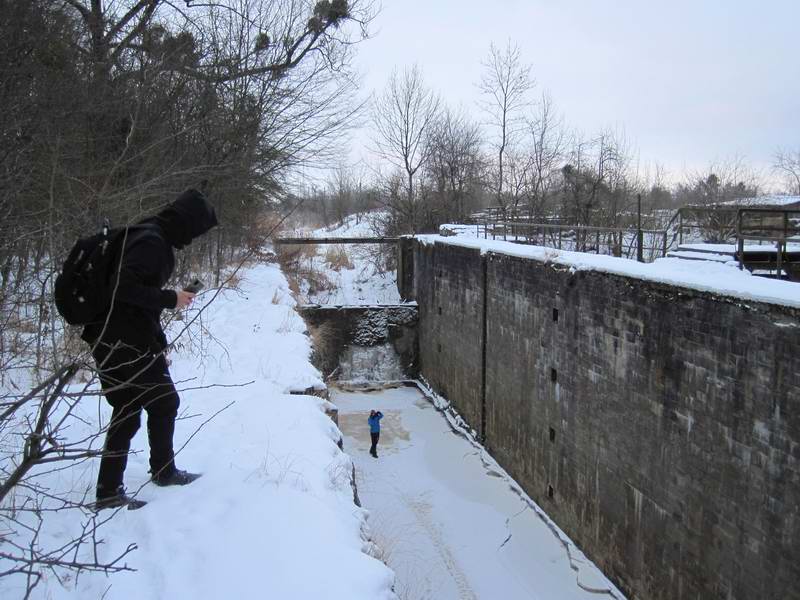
{"x": 764, "y": 201}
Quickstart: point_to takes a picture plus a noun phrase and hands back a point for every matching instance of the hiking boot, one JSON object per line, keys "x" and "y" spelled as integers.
{"x": 176, "y": 477}
{"x": 117, "y": 500}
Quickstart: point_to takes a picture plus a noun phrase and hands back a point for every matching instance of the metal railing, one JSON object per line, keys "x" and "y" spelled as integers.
{"x": 641, "y": 244}
{"x": 721, "y": 224}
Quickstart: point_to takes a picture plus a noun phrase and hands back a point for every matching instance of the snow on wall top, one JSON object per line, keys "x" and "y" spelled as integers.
{"x": 704, "y": 276}
{"x": 764, "y": 201}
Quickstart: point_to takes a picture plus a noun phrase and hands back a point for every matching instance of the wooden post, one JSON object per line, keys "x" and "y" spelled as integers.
{"x": 400, "y": 270}
{"x": 739, "y": 240}
{"x": 639, "y": 235}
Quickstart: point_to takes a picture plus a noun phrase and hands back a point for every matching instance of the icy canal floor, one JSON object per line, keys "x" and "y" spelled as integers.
{"x": 449, "y": 524}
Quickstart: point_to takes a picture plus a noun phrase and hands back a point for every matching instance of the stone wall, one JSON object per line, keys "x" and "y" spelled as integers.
{"x": 453, "y": 323}
{"x": 658, "y": 426}
{"x": 337, "y": 330}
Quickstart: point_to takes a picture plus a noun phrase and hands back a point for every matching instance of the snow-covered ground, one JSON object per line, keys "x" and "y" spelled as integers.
{"x": 359, "y": 225}
{"x": 360, "y": 279}
{"x": 450, "y": 522}
{"x": 273, "y": 515}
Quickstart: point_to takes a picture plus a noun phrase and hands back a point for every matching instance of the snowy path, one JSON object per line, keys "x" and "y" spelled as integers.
{"x": 449, "y": 526}
{"x": 272, "y": 516}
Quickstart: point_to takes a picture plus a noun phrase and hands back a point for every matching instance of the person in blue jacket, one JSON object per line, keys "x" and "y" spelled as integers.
{"x": 374, "y": 430}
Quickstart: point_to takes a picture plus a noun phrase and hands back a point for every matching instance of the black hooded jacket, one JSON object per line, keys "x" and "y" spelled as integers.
{"x": 147, "y": 264}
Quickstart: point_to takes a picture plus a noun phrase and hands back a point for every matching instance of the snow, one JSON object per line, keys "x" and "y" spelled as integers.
{"x": 364, "y": 281}
{"x": 565, "y": 240}
{"x": 364, "y": 364}
{"x": 358, "y": 225}
{"x": 451, "y": 522}
{"x": 704, "y": 276}
{"x": 766, "y": 201}
{"x": 273, "y": 514}
{"x": 691, "y": 255}
{"x": 732, "y": 249}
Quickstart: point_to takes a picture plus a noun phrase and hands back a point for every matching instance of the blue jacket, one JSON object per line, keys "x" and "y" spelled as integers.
{"x": 374, "y": 422}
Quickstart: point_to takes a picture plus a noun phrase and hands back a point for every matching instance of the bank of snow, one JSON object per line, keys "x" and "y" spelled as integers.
{"x": 705, "y": 276}
{"x": 368, "y": 275}
{"x": 273, "y": 515}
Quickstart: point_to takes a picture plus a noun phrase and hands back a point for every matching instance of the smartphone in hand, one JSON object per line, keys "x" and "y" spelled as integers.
{"x": 194, "y": 287}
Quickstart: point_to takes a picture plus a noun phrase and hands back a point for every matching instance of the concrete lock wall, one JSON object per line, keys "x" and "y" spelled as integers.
{"x": 342, "y": 327}
{"x": 658, "y": 426}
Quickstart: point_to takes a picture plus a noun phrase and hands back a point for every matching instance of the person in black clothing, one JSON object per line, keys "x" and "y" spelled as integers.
{"x": 128, "y": 346}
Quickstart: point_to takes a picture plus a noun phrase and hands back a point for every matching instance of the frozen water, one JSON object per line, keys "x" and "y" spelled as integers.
{"x": 446, "y": 518}
{"x": 362, "y": 364}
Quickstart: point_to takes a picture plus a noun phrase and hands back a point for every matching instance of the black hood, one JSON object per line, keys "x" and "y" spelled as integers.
{"x": 190, "y": 216}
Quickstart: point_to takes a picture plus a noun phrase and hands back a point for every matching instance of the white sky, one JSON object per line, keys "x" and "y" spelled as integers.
{"x": 688, "y": 82}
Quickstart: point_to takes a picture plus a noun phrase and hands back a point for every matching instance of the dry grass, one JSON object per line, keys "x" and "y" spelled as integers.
{"x": 291, "y": 255}
{"x": 294, "y": 286}
{"x": 318, "y": 282}
{"x": 288, "y": 256}
{"x": 259, "y": 232}
{"x": 323, "y": 338}
{"x": 234, "y": 280}
{"x": 337, "y": 258}
{"x": 309, "y": 250}
{"x": 296, "y": 262}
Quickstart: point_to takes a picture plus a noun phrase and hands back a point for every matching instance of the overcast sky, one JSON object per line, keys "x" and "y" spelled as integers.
{"x": 688, "y": 82}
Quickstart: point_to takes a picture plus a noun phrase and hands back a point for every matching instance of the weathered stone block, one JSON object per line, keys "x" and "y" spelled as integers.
{"x": 676, "y": 414}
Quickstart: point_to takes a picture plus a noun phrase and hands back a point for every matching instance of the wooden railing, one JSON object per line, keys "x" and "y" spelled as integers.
{"x": 771, "y": 225}
{"x": 644, "y": 245}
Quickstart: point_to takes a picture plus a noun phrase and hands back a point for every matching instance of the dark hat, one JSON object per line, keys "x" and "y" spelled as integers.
{"x": 189, "y": 216}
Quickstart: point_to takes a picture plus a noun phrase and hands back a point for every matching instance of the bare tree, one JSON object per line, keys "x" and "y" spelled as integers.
{"x": 546, "y": 146}
{"x": 403, "y": 116}
{"x": 342, "y": 191}
{"x": 506, "y": 84}
{"x": 106, "y": 110}
{"x": 593, "y": 178}
{"x": 288, "y": 33}
{"x": 787, "y": 164}
{"x": 722, "y": 183}
{"x": 456, "y": 165}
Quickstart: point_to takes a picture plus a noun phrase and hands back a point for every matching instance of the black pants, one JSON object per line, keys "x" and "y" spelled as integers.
{"x": 375, "y": 435}
{"x": 134, "y": 380}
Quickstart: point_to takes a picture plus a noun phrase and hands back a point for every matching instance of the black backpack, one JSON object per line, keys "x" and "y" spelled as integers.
{"x": 85, "y": 286}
